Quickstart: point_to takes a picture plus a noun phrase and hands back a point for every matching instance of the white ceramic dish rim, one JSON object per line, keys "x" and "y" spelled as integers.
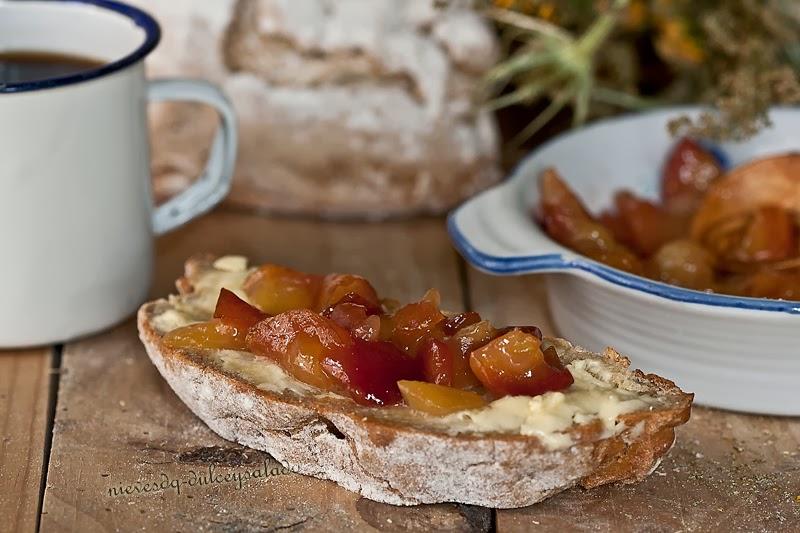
{"x": 565, "y": 260}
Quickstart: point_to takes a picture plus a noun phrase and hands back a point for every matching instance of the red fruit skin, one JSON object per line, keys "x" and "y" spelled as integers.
{"x": 234, "y": 311}
{"x": 371, "y": 370}
{"x": 687, "y": 174}
{"x": 771, "y": 236}
{"x": 647, "y": 226}
{"x": 438, "y": 360}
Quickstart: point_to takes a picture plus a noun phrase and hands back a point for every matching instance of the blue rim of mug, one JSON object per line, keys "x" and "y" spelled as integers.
{"x": 136, "y": 15}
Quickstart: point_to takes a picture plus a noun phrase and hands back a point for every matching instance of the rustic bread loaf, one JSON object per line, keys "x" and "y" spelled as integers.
{"x": 492, "y": 457}
{"x": 346, "y": 108}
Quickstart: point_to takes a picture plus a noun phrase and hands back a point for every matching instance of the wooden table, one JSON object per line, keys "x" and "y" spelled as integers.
{"x": 94, "y": 440}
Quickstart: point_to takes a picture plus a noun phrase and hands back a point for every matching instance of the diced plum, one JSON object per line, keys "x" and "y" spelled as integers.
{"x": 369, "y": 329}
{"x": 348, "y": 315}
{"x": 276, "y": 289}
{"x": 514, "y": 364}
{"x": 438, "y": 360}
{"x": 411, "y": 324}
{"x": 337, "y": 287}
{"x": 301, "y": 341}
{"x": 533, "y": 330}
{"x": 370, "y": 371}
{"x": 687, "y": 174}
{"x": 234, "y": 311}
{"x": 211, "y": 335}
{"x": 438, "y": 400}
{"x": 454, "y": 323}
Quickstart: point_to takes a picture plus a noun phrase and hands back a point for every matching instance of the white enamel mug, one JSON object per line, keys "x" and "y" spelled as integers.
{"x": 76, "y": 211}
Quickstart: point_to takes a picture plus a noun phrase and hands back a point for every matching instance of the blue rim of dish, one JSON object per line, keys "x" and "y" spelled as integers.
{"x": 137, "y": 16}
{"x": 529, "y": 264}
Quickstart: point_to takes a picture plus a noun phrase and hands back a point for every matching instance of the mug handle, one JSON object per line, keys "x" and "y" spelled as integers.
{"x": 215, "y": 181}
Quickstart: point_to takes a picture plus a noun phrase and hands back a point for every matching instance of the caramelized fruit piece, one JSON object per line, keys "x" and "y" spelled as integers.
{"x": 301, "y": 341}
{"x": 617, "y": 225}
{"x": 463, "y": 343}
{"x": 767, "y": 284}
{"x": 771, "y": 235}
{"x": 276, "y": 289}
{"x": 353, "y": 298}
{"x": 647, "y": 225}
{"x": 411, "y": 323}
{"x": 515, "y": 364}
{"x": 437, "y": 399}
{"x": 211, "y": 335}
{"x": 371, "y": 370}
{"x": 337, "y": 287}
{"x": 456, "y": 322}
{"x": 769, "y": 182}
{"x": 684, "y": 263}
{"x": 348, "y": 315}
{"x": 234, "y": 311}
{"x": 689, "y": 171}
{"x": 369, "y": 329}
{"x": 567, "y": 221}
{"x": 358, "y": 315}
{"x": 557, "y": 197}
{"x": 438, "y": 360}
{"x": 533, "y": 330}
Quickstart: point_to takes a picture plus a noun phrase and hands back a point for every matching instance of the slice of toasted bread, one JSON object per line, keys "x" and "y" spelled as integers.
{"x": 516, "y": 452}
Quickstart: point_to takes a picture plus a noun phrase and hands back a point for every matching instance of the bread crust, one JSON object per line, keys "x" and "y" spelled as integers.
{"x": 393, "y": 461}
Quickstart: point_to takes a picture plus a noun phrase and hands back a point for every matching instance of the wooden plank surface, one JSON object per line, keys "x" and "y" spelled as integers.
{"x": 727, "y": 472}
{"x": 24, "y": 402}
{"x": 128, "y": 456}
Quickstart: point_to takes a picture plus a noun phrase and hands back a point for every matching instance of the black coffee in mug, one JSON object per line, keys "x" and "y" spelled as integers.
{"x": 26, "y": 66}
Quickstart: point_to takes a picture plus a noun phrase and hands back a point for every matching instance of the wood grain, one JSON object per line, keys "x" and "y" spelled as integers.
{"x": 727, "y": 472}
{"x": 120, "y": 432}
{"x": 24, "y": 401}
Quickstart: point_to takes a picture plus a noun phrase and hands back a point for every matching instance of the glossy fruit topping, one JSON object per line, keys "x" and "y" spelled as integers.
{"x": 689, "y": 171}
{"x": 516, "y": 364}
{"x": 234, "y": 311}
{"x": 301, "y": 341}
{"x": 438, "y": 399}
{"x": 275, "y": 289}
{"x": 210, "y": 335}
{"x": 335, "y": 334}
{"x": 438, "y": 361}
{"x": 770, "y": 235}
{"x": 371, "y": 370}
{"x": 454, "y": 323}
{"x": 338, "y": 287}
{"x": 411, "y": 324}
{"x": 644, "y": 225}
{"x": 567, "y": 221}
{"x": 233, "y": 317}
{"x": 684, "y": 263}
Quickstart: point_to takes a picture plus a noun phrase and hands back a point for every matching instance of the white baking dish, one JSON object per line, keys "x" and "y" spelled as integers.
{"x": 735, "y": 353}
